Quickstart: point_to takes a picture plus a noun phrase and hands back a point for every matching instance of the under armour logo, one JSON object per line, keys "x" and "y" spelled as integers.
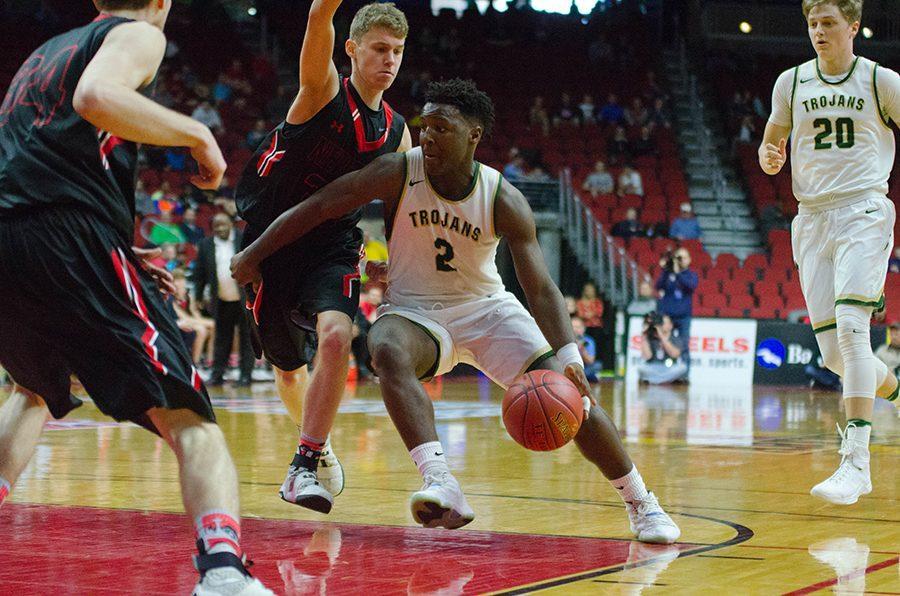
{"x": 335, "y": 125}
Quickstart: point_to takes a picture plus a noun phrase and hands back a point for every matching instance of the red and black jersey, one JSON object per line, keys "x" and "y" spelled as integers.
{"x": 49, "y": 155}
{"x": 294, "y": 161}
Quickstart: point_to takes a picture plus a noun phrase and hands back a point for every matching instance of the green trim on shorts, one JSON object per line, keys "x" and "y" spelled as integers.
{"x": 539, "y": 355}
{"x": 429, "y": 374}
{"x": 825, "y": 326}
{"x": 896, "y": 392}
{"x": 878, "y": 304}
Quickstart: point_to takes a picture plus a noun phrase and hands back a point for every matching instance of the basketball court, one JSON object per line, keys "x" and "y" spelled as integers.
{"x": 98, "y": 509}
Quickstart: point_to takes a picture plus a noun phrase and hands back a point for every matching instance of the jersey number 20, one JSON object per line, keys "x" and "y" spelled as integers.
{"x": 842, "y": 126}
{"x": 442, "y": 260}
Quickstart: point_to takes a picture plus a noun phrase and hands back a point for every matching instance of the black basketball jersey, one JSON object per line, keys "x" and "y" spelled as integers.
{"x": 49, "y": 155}
{"x": 294, "y": 161}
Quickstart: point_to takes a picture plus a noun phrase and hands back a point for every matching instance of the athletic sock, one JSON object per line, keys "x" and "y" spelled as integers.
{"x": 631, "y": 486}
{"x": 5, "y": 487}
{"x": 308, "y": 453}
{"x": 429, "y": 458}
{"x": 859, "y": 431}
{"x": 218, "y": 532}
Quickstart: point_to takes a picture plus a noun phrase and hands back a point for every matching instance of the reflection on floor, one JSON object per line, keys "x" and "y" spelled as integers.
{"x": 92, "y": 513}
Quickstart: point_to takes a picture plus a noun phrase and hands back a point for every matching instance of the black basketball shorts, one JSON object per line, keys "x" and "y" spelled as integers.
{"x": 75, "y": 300}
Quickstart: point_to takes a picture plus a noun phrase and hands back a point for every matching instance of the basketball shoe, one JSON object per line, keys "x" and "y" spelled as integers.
{"x": 228, "y": 577}
{"x": 330, "y": 472}
{"x": 302, "y": 487}
{"x": 441, "y": 503}
{"x": 649, "y": 523}
{"x": 852, "y": 479}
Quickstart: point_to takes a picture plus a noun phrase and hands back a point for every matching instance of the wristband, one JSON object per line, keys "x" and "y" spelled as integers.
{"x": 569, "y": 354}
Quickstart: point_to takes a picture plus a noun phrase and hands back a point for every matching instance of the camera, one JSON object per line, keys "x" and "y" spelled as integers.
{"x": 651, "y": 321}
{"x": 668, "y": 261}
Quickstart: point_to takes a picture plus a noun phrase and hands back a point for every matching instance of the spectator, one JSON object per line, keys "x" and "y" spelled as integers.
{"x": 637, "y": 115}
{"x": 588, "y": 110}
{"x": 255, "y": 136}
{"x": 567, "y": 113}
{"x": 685, "y": 226}
{"x": 889, "y": 353}
{"x": 222, "y": 91}
{"x": 189, "y": 229}
{"x": 537, "y": 116}
{"x": 630, "y": 227}
{"x": 662, "y": 350}
{"x": 168, "y": 258}
{"x": 612, "y": 112}
{"x": 176, "y": 159}
{"x": 747, "y": 131}
{"x": 571, "y": 306}
{"x": 143, "y": 204}
{"x": 191, "y": 320}
{"x": 164, "y": 231}
{"x": 630, "y": 182}
{"x": 619, "y": 147}
{"x": 208, "y": 115}
{"x": 645, "y": 302}
{"x": 537, "y": 174}
{"x": 590, "y": 309}
{"x": 212, "y": 270}
{"x": 587, "y": 347}
{"x": 515, "y": 169}
{"x": 676, "y": 285}
{"x": 645, "y": 145}
{"x": 599, "y": 182}
{"x": 894, "y": 262}
{"x": 659, "y": 116}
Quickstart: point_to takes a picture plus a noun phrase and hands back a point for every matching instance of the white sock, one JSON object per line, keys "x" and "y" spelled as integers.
{"x": 860, "y": 436}
{"x": 5, "y": 488}
{"x": 631, "y": 486}
{"x": 429, "y": 458}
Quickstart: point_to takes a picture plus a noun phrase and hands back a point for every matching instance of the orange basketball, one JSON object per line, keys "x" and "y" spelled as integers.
{"x": 542, "y": 410}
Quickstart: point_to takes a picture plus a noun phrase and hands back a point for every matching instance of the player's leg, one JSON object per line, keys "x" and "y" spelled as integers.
{"x": 863, "y": 238}
{"x": 403, "y": 352}
{"x": 505, "y": 345}
{"x": 224, "y": 341}
{"x": 22, "y": 419}
{"x": 291, "y": 387}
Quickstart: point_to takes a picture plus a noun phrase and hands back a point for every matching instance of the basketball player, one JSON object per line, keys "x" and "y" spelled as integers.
{"x": 335, "y": 125}
{"x": 74, "y": 296}
{"x": 836, "y": 109}
{"x": 445, "y": 302}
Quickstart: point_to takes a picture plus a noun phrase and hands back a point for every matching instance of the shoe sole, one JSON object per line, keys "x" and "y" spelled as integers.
{"x": 431, "y": 514}
{"x": 314, "y": 502}
{"x": 850, "y": 501}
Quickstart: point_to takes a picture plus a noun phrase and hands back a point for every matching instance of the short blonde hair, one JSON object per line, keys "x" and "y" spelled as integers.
{"x": 851, "y": 9}
{"x": 377, "y": 14}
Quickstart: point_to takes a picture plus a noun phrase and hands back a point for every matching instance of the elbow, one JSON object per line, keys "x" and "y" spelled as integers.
{"x": 89, "y": 100}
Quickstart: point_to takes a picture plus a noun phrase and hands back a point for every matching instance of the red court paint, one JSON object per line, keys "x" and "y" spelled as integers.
{"x": 77, "y": 550}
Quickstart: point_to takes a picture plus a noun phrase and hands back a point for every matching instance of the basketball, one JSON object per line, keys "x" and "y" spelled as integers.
{"x": 542, "y": 410}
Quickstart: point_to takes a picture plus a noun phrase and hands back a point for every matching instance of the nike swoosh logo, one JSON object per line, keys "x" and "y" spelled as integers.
{"x": 414, "y": 182}
{"x": 806, "y": 81}
{"x": 873, "y": 210}
{"x": 438, "y": 454}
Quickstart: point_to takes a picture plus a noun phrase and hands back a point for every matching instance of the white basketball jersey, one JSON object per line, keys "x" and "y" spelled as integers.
{"x": 443, "y": 251}
{"x": 842, "y": 149}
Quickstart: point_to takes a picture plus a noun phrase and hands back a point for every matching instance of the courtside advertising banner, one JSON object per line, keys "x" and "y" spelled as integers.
{"x": 722, "y": 351}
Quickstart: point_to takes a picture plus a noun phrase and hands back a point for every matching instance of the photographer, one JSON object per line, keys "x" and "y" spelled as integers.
{"x": 661, "y": 349}
{"x": 676, "y": 285}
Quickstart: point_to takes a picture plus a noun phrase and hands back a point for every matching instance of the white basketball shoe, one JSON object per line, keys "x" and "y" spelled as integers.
{"x": 852, "y": 478}
{"x": 330, "y": 472}
{"x": 649, "y": 523}
{"x": 441, "y": 503}
{"x": 225, "y": 574}
{"x": 302, "y": 487}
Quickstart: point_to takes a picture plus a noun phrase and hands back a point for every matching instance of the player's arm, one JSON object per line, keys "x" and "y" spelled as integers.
{"x": 514, "y": 221}
{"x": 382, "y": 179}
{"x": 888, "y": 88}
{"x": 319, "y": 81}
{"x": 406, "y": 141}
{"x": 107, "y": 97}
{"x": 772, "y": 151}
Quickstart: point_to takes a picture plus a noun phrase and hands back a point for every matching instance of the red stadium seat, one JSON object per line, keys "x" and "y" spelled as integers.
{"x": 742, "y": 301}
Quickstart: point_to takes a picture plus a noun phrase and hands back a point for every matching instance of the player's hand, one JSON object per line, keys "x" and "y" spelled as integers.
{"x": 162, "y": 277}
{"x": 575, "y": 373}
{"x": 210, "y": 163}
{"x": 774, "y": 156}
{"x": 245, "y": 270}
{"x": 376, "y": 271}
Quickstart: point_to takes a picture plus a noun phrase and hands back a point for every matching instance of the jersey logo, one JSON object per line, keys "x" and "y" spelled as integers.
{"x": 269, "y": 158}
{"x": 40, "y": 73}
{"x": 335, "y": 125}
{"x": 806, "y": 80}
{"x": 414, "y": 182}
{"x": 108, "y": 142}
{"x": 361, "y": 143}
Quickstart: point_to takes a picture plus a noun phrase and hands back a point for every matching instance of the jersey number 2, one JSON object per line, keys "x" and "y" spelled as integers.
{"x": 844, "y": 136}
{"x": 442, "y": 260}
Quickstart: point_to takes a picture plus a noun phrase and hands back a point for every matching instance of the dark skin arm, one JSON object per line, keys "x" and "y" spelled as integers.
{"x": 381, "y": 179}
{"x": 515, "y": 222}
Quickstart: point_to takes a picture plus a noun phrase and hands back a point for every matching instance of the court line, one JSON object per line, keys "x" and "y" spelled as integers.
{"x": 852, "y": 575}
{"x": 742, "y": 534}
{"x": 729, "y": 557}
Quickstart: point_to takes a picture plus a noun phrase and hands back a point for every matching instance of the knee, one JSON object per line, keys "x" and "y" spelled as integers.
{"x": 390, "y": 360}
{"x": 853, "y": 332}
{"x": 290, "y": 378}
{"x": 334, "y": 340}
